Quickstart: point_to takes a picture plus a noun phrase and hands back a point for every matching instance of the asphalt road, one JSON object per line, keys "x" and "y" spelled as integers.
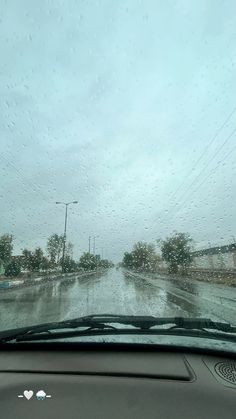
{"x": 115, "y": 292}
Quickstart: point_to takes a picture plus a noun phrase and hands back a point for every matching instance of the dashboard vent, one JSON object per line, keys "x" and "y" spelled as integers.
{"x": 226, "y": 371}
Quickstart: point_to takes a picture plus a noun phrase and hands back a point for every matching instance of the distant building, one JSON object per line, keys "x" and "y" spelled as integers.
{"x": 221, "y": 257}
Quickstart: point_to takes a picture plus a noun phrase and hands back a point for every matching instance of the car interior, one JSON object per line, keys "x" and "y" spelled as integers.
{"x": 115, "y": 380}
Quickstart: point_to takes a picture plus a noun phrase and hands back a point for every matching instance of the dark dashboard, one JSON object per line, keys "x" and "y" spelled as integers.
{"x": 117, "y": 383}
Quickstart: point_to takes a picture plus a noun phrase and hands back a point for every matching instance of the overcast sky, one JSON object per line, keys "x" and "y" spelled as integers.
{"x": 113, "y": 103}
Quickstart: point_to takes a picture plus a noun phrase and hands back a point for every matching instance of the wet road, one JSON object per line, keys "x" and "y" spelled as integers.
{"x": 115, "y": 292}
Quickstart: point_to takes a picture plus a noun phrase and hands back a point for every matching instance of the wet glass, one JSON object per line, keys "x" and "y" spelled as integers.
{"x": 117, "y": 151}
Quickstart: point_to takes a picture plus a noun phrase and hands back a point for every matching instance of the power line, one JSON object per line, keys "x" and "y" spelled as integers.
{"x": 206, "y": 166}
{"x": 228, "y": 154}
{"x": 204, "y": 151}
{"x": 213, "y": 170}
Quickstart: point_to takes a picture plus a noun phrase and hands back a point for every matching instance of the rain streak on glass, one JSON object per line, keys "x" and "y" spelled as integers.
{"x": 117, "y": 152}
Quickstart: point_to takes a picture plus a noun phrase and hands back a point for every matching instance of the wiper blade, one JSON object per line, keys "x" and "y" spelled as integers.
{"x": 147, "y": 322}
{"x": 100, "y": 324}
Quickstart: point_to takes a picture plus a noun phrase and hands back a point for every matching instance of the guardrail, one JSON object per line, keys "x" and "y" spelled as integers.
{"x": 212, "y": 273}
{"x": 207, "y": 270}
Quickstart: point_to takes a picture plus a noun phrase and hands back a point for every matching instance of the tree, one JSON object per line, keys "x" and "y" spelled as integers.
{"x": 87, "y": 261}
{"x": 105, "y": 263}
{"x": 37, "y": 259}
{"x": 69, "y": 249}
{"x": 128, "y": 260}
{"x": 142, "y": 257}
{"x": 176, "y": 251}
{"x": 26, "y": 260}
{"x": 34, "y": 261}
{"x": 45, "y": 264}
{"x": 69, "y": 265}
{"x": 13, "y": 268}
{"x": 55, "y": 248}
{"x": 6, "y": 247}
{"x": 155, "y": 262}
{"x": 143, "y": 254}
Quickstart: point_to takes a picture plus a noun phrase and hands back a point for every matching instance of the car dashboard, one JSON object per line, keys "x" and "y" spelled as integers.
{"x": 115, "y": 382}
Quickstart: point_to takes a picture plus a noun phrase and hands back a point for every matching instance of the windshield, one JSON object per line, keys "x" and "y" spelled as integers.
{"x": 118, "y": 128}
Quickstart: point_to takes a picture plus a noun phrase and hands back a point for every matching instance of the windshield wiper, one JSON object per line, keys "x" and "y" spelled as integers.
{"x": 110, "y": 324}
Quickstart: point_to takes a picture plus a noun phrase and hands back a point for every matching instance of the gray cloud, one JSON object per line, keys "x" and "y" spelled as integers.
{"x": 112, "y": 104}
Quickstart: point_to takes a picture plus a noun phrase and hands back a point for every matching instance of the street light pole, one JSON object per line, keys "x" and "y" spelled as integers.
{"x": 64, "y": 238}
{"x": 65, "y": 227}
{"x": 94, "y": 244}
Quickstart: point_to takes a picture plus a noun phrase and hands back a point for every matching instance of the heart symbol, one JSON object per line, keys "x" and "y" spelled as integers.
{"x": 28, "y": 394}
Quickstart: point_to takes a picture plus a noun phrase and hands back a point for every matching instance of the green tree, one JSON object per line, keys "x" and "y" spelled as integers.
{"x": 87, "y": 262}
{"x": 142, "y": 257}
{"x": 13, "y": 268}
{"x": 127, "y": 261}
{"x": 69, "y": 249}
{"x": 26, "y": 260}
{"x": 143, "y": 254}
{"x": 176, "y": 251}
{"x": 6, "y": 247}
{"x": 154, "y": 262}
{"x": 105, "y": 263}
{"x": 69, "y": 265}
{"x": 55, "y": 247}
{"x": 45, "y": 264}
{"x": 34, "y": 261}
{"x": 37, "y": 260}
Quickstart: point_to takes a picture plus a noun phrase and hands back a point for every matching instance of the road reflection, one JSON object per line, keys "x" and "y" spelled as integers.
{"x": 112, "y": 292}
{"x": 160, "y": 300}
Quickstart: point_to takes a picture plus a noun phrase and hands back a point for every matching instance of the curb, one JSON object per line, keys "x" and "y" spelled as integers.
{"x": 19, "y": 283}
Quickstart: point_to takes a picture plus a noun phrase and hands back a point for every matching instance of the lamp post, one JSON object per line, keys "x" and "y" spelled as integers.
{"x": 65, "y": 227}
{"x": 94, "y": 244}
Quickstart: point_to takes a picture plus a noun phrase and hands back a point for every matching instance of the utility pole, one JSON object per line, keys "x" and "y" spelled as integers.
{"x": 89, "y": 244}
{"x": 94, "y": 238}
{"x": 102, "y": 252}
{"x": 65, "y": 227}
